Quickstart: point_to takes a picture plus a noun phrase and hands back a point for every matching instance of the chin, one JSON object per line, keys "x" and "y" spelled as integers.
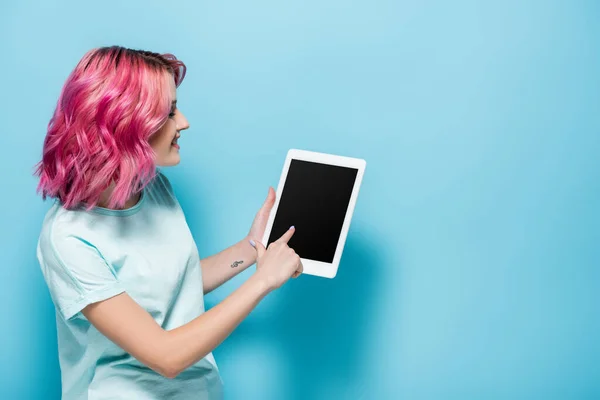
{"x": 169, "y": 162}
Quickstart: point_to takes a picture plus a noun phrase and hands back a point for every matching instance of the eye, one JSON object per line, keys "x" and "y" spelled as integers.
{"x": 172, "y": 113}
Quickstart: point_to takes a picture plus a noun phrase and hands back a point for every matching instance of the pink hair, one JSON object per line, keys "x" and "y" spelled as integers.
{"x": 109, "y": 106}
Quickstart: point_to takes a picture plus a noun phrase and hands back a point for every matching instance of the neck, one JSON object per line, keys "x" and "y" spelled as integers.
{"x": 105, "y": 197}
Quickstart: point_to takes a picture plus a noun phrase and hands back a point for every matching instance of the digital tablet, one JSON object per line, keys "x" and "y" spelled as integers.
{"x": 317, "y": 193}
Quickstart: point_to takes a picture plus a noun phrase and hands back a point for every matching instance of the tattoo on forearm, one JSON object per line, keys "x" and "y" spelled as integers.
{"x": 236, "y": 263}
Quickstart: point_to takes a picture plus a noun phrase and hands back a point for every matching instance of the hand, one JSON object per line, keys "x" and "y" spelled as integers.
{"x": 257, "y": 230}
{"x": 279, "y": 262}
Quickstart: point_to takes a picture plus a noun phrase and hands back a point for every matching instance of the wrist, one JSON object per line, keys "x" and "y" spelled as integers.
{"x": 260, "y": 284}
{"x": 251, "y": 251}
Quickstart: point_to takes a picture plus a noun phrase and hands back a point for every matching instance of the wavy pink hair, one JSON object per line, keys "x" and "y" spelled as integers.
{"x": 109, "y": 106}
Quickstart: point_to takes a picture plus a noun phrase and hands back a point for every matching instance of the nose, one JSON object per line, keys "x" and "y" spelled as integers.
{"x": 182, "y": 123}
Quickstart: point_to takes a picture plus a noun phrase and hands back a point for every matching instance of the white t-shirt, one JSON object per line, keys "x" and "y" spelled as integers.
{"x": 147, "y": 251}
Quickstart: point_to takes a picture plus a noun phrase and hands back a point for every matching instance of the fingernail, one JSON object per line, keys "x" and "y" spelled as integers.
{"x": 252, "y": 243}
{"x": 291, "y": 227}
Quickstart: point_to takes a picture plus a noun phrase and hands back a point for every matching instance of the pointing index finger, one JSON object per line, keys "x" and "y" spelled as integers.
{"x": 287, "y": 235}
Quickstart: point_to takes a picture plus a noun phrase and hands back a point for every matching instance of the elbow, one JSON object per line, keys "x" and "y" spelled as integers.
{"x": 171, "y": 361}
{"x": 165, "y": 360}
{"x": 170, "y": 374}
{"x": 167, "y": 366}
{"x": 168, "y": 370}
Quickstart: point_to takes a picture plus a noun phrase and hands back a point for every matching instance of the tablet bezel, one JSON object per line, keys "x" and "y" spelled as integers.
{"x": 313, "y": 267}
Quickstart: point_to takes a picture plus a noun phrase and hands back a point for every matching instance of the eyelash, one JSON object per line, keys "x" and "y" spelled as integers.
{"x": 172, "y": 114}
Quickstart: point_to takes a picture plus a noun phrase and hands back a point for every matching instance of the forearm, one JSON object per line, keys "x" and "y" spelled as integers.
{"x": 189, "y": 343}
{"x": 219, "y": 268}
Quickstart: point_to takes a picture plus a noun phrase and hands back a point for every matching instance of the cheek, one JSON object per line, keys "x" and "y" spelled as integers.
{"x": 160, "y": 139}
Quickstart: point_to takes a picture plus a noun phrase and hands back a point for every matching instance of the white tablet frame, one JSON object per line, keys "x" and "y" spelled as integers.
{"x": 313, "y": 267}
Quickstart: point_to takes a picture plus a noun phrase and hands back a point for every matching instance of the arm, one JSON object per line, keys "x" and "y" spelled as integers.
{"x": 133, "y": 329}
{"x": 219, "y": 268}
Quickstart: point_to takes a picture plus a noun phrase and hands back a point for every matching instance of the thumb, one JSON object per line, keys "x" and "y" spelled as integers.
{"x": 270, "y": 200}
{"x": 260, "y": 249}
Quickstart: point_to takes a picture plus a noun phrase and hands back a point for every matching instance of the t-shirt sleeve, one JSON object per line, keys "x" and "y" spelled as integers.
{"x": 76, "y": 274}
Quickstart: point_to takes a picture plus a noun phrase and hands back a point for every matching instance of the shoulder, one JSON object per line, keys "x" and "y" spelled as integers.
{"x": 65, "y": 233}
{"x": 72, "y": 265}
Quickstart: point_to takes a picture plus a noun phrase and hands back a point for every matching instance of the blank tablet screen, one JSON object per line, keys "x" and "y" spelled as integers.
{"x": 314, "y": 199}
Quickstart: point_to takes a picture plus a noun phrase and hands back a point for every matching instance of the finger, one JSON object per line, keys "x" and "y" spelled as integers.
{"x": 260, "y": 249}
{"x": 271, "y": 195}
{"x": 287, "y": 235}
{"x": 270, "y": 200}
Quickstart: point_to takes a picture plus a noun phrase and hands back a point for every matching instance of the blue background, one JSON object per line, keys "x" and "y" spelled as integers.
{"x": 472, "y": 265}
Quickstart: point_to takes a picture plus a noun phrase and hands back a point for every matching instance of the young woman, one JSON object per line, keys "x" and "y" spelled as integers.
{"x": 115, "y": 250}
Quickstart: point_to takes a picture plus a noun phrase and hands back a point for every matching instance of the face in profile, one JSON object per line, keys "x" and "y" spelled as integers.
{"x": 164, "y": 142}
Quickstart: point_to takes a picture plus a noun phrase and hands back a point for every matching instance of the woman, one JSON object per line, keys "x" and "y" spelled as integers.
{"x": 116, "y": 252}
